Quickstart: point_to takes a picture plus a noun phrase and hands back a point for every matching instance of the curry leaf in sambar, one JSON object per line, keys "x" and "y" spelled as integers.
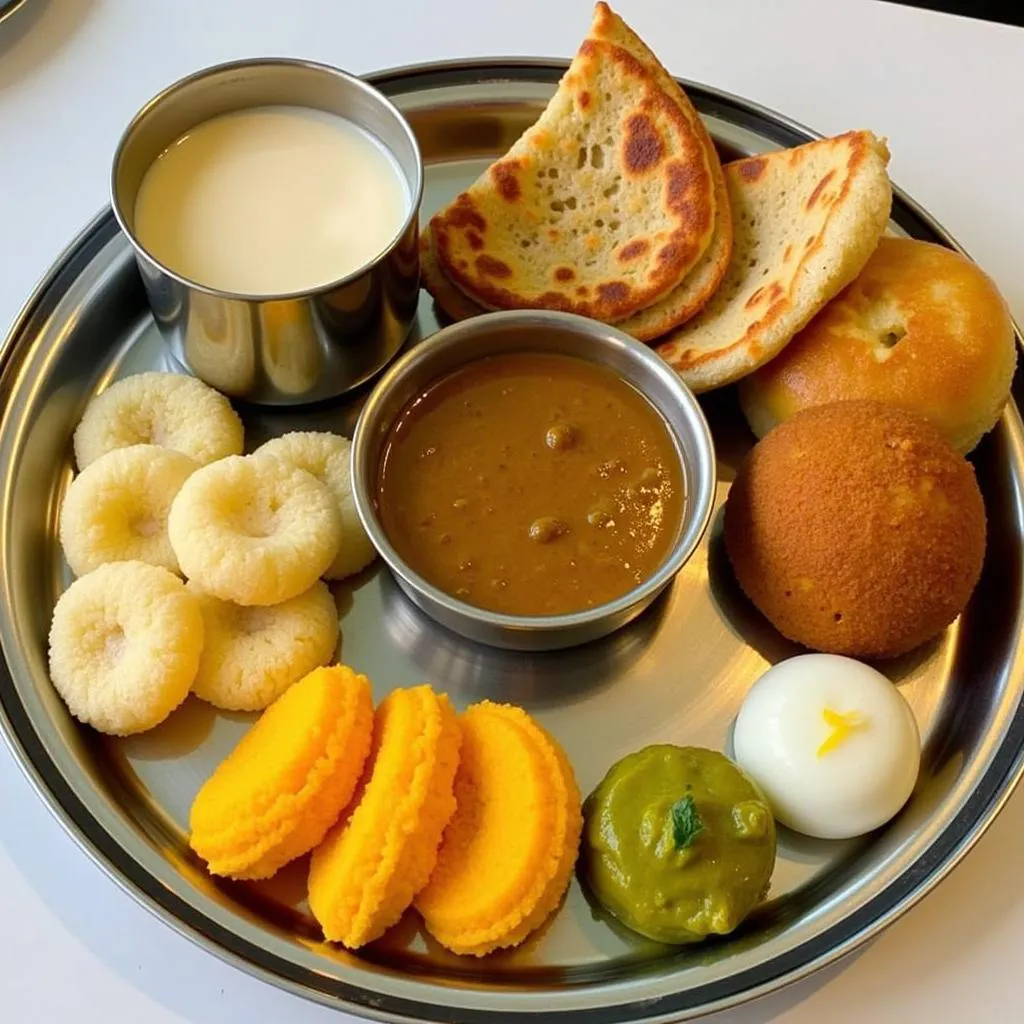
{"x": 686, "y": 823}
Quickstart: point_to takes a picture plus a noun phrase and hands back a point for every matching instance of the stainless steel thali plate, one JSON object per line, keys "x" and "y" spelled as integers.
{"x": 677, "y": 674}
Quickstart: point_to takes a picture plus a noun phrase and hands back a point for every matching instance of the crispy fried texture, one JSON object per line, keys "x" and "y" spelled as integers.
{"x": 453, "y": 303}
{"x": 921, "y": 327}
{"x": 856, "y": 529}
{"x": 509, "y": 850}
{"x": 280, "y": 790}
{"x": 366, "y": 872}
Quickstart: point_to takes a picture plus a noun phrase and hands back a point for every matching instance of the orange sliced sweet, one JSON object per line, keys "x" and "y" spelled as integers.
{"x": 287, "y": 782}
{"x": 509, "y": 850}
{"x": 368, "y": 869}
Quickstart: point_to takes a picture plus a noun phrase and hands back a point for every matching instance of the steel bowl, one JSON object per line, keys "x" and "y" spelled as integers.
{"x": 287, "y": 349}
{"x": 516, "y": 331}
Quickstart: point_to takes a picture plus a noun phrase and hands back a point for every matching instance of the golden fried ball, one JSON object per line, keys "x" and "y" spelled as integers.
{"x": 856, "y": 529}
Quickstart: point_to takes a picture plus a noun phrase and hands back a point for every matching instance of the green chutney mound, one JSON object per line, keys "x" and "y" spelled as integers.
{"x": 678, "y": 843}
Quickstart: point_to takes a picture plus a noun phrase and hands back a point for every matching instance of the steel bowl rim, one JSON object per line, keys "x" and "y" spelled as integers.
{"x": 701, "y": 477}
{"x": 362, "y": 85}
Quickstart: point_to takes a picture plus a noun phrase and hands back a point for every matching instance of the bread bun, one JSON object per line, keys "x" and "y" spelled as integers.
{"x": 856, "y": 529}
{"x": 921, "y": 327}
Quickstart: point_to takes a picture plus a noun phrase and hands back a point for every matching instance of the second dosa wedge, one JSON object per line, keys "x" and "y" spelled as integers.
{"x": 806, "y": 221}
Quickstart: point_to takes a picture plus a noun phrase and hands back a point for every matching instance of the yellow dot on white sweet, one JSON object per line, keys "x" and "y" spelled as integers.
{"x": 842, "y": 725}
{"x": 831, "y": 741}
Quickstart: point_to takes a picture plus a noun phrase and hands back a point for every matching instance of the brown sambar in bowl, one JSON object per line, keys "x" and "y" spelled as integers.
{"x": 531, "y": 483}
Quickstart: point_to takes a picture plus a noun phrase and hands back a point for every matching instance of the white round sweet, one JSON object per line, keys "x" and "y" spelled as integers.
{"x": 832, "y": 743}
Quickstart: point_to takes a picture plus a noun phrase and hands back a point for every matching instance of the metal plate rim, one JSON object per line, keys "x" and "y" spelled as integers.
{"x": 992, "y": 792}
{"x": 10, "y": 7}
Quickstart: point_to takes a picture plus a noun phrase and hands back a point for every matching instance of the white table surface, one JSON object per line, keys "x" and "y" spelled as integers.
{"x": 949, "y": 95}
